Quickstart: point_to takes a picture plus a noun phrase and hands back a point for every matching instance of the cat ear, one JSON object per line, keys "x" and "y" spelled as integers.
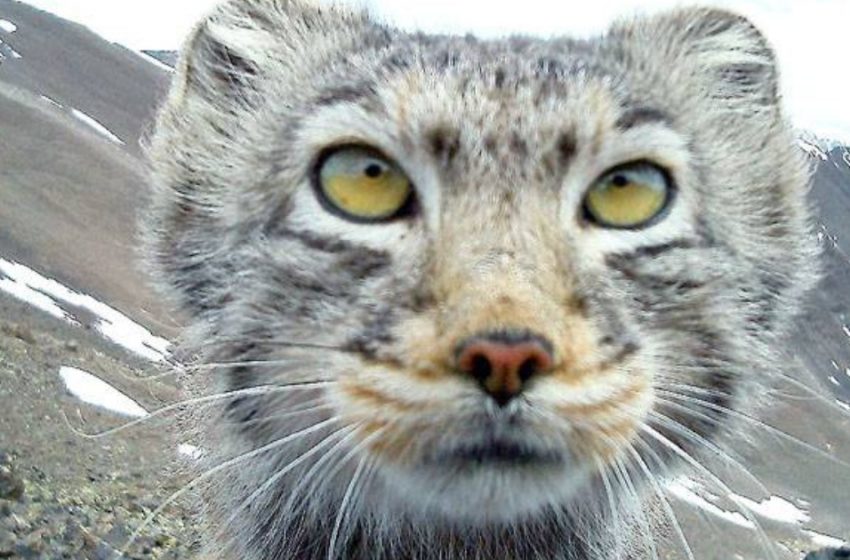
{"x": 228, "y": 51}
{"x": 723, "y": 54}
{"x": 240, "y": 56}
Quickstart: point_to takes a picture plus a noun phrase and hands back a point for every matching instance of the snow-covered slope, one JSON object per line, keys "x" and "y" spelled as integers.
{"x": 809, "y": 37}
{"x": 72, "y": 108}
{"x": 70, "y": 64}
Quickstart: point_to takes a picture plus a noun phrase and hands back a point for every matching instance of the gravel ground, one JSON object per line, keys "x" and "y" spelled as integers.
{"x": 67, "y": 496}
{"x": 63, "y": 495}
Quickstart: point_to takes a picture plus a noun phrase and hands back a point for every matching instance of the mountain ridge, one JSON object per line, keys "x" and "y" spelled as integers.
{"x": 73, "y": 180}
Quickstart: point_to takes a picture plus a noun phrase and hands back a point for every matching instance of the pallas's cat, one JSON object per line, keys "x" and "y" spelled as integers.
{"x": 468, "y": 299}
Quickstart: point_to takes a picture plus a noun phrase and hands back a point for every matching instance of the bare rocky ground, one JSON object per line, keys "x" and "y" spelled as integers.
{"x": 68, "y": 203}
{"x": 63, "y": 495}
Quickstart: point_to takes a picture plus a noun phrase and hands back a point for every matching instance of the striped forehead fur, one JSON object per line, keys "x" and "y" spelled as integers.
{"x": 334, "y": 341}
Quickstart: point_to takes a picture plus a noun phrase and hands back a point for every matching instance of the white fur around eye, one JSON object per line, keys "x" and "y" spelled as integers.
{"x": 309, "y": 214}
{"x": 349, "y": 124}
{"x": 651, "y": 143}
{"x": 678, "y": 223}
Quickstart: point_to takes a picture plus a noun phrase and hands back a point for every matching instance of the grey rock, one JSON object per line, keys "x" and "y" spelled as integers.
{"x": 7, "y": 543}
{"x": 11, "y": 485}
{"x": 830, "y": 554}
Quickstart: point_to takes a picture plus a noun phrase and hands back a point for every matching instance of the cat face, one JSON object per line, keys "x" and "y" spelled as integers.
{"x": 505, "y": 263}
{"x": 496, "y": 242}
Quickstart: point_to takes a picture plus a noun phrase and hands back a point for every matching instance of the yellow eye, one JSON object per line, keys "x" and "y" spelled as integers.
{"x": 363, "y": 185}
{"x": 629, "y": 196}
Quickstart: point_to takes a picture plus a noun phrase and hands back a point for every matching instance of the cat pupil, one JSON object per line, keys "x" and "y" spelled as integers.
{"x": 620, "y": 181}
{"x": 374, "y": 171}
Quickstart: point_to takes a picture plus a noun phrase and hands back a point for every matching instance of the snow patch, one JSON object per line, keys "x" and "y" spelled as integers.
{"x": 775, "y": 508}
{"x": 812, "y": 148}
{"x": 51, "y": 101}
{"x": 158, "y": 63}
{"x": 689, "y": 491}
{"x": 824, "y": 541}
{"x": 23, "y": 292}
{"x": 95, "y": 391}
{"x": 834, "y": 381}
{"x": 190, "y": 451}
{"x": 8, "y": 26}
{"x": 7, "y": 51}
{"x": 48, "y": 295}
{"x": 98, "y": 127}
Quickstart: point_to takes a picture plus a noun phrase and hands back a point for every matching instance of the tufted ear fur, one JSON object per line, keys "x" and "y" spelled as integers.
{"x": 231, "y": 48}
{"x": 727, "y": 55}
{"x": 245, "y": 53}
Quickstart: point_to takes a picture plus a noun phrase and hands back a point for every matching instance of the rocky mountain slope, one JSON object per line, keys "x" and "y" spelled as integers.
{"x": 73, "y": 109}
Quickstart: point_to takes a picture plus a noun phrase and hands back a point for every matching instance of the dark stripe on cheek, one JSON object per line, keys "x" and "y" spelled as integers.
{"x": 376, "y": 335}
{"x": 630, "y": 267}
{"x": 314, "y": 241}
{"x": 362, "y": 263}
{"x": 708, "y": 419}
{"x": 243, "y": 410}
{"x": 660, "y": 284}
{"x": 651, "y": 251}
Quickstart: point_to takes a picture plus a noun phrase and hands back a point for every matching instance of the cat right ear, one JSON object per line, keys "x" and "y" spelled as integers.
{"x": 222, "y": 57}
{"x": 212, "y": 66}
{"x": 225, "y": 55}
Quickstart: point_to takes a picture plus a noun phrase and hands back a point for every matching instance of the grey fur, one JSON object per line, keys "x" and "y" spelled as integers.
{"x": 500, "y": 138}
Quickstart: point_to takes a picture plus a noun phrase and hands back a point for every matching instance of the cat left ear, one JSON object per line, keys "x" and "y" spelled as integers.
{"x": 729, "y": 57}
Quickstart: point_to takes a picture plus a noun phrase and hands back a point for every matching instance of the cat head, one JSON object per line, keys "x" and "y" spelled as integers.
{"x": 514, "y": 265}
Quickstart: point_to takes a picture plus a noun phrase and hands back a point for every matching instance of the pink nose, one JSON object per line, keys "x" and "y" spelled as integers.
{"x": 503, "y": 363}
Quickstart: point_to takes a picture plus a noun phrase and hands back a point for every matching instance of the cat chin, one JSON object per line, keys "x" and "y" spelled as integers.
{"x": 486, "y": 494}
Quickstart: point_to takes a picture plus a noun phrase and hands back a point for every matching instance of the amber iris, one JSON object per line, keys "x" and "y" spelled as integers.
{"x": 363, "y": 185}
{"x": 628, "y": 197}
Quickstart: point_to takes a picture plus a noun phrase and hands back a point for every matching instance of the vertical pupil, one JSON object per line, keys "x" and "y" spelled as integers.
{"x": 373, "y": 171}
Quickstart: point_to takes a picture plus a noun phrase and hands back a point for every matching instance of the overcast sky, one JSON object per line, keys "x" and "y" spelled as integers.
{"x": 810, "y": 36}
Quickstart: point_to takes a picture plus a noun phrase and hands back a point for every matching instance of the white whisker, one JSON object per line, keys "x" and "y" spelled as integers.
{"x": 666, "y": 442}
{"x": 208, "y": 399}
{"x": 665, "y": 503}
{"x": 280, "y": 473}
{"x": 646, "y": 526}
{"x": 343, "y": 508}
{"x": 760, "y": 423}
{"x": 222, "y": 467}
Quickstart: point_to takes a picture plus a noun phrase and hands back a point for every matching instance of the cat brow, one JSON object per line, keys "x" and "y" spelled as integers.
{"x": 348, "y": 93}
{"x": 637, "y": 116}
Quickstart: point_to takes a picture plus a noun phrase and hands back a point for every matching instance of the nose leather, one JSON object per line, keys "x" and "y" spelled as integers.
{"x": 503, "y": 365}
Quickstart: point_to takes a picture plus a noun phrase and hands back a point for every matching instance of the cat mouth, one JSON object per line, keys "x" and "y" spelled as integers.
{"x": 499, "y": 452}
